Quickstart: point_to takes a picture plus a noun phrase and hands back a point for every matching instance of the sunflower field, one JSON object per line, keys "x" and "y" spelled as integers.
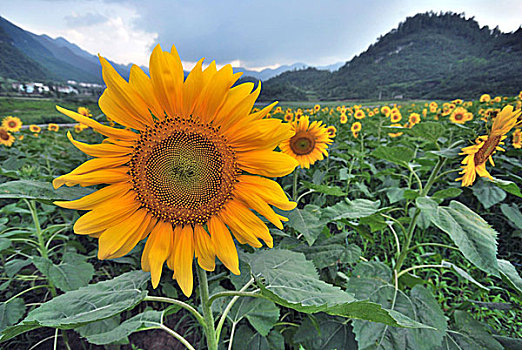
{"x": 341, "y": 226}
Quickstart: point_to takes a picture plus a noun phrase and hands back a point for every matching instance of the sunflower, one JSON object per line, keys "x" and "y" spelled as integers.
{"x": 356, "y": 127}
{"x": 359, "y": 114}
{"x": 78, "y": 128}
{"x": 34, "y": 128}
{"x": 485, "y": 98}
{"x": 317, "y": 108}
{"x": 517, "y": 138}
{"x": 395, "y": 134}
{"x": 395, "y": 116}
{"x": 84, "y": 111}
{"x": 12, "y": 124}
{"x": 520, "y": 95}
{"x": 289, "y": 117}
{"x": 332, "y": 131}
{"x": 309, "y": 143}
{"x": 343, "y": 118}
{"x": 53, "y": 127}
{"x": 459, "y": 115}
{"x": 185, "y": 171}
{"x": 6, "y": 138}
{"x": 486, "y": 146}
{"x": 497, "y": 99}
{"x": 414, "y": 118}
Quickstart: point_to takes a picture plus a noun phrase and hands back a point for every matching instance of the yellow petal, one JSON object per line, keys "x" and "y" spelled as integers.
{"x": 236, "y": 97}
{"x": 100, "y": 150}
{"x": 166, "y": 72}
{"x": 90, "y": 201}
{"x": 266, "y": 163}
{"x": 156, "y": 251}
{"x": 192, "y": 88}
{"x": 261, "y": 134}
{"x": 268, "y": 190}
{"x": 107, "y": 214}
{"x": 119, "y": 239}
{"x": 204, "y": 249}
{"x": 184, "y": 251}
{"x": 225, "y": 248}
{"x": 117, "y": 134}
{"x": 255, "y": 202}
{"x": 104, "y": 176}
{"x": 245, "y": 225}
{"x": 143, "y": 86}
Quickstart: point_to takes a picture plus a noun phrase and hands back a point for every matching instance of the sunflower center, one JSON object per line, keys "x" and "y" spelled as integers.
{"x": 12, "y": 124}
{"x": 302, "y": 143}
{"x": 4, "y": 135}
{"x": 183, "y": 171}
{"x": 487, "y": 149}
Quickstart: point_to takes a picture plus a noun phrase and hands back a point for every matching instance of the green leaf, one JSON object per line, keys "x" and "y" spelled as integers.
{"x": 447, "y": 152}
{"x": 512, "y": 213}
{"x": 325, "y": 333}
{"x": 462, "y": 273}
{"x": 261, "y": 313}
{"x": 507, "y": 186}
{"x": 307, "y": 222}
{"x": 348, "y": 209}
{"x": 510, "y": 275}
{"x": 246, "y": 339}
{"x": 428, "y": 130}
{"x": 487, "y": 194}
{"x": 72, "y": 273}
{"x": 395, "y": 194}
{"x": 328, "y": 190}
{"x": 451, "y": 192}
{"x": 12, "y": 267}
{"x": 398, "y": 154}
{"x": 87, "y": 304}
{"x": 4, "y": 243}
{"x": 40, "y": 190}
{"x": 471, "y": 234}
{"x": 410, "y": 194}
{"x": 11, "y": 312}
{"x": 115, "y": 332}
{"x": 469, "y": 335}
{"x": 371, "y": 280}
{"x": 327, "y": 252}
{"x": 288, "y": 279}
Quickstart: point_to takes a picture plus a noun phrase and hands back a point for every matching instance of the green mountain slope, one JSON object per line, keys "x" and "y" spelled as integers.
{"x": 427, "y": 56}
{"x": 14, "y": 64}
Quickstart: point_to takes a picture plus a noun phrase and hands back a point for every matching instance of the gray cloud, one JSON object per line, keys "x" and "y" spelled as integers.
{"x": 86, "y": 19}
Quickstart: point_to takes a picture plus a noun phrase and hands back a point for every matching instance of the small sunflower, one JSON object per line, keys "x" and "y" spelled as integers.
{"x": 343, "y": 118}
{"x": 395, "y": 116}
{"x": 486, "y": 146}
{"x": 458, "y": 115}
{"x": 517, "y": 139}
{"x": 53, "y": 127}
{"x": 485, "y": 98}
{"x": 309, "y": 143}
{"x": 385, "y": 110}
{"x": 317, "y": 108}
{"x": 12, "y": 124}
{"x": 414, "y": 118}
{"x": 34, "y": 128}
{"x": 356, "y": 127}
{"x": 332, "y": 131}
{"x": 6, "y": 138}
{"x": 84, "y": 111}
{"x": 359, "y": 114}
{"x": 289, "y": 117}
{"x": 187, "y": 170}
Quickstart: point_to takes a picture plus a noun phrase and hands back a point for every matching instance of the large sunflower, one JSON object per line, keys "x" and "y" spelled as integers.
{"x": 12, "y": 124}
{"x": 6, "y": 138}
{"x": 309, "y": 143}
{"x": 486, "y": 146}
{"x": 184, "y": 172}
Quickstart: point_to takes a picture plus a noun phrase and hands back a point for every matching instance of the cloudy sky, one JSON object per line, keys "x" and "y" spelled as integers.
{"x": 247, "y": 33}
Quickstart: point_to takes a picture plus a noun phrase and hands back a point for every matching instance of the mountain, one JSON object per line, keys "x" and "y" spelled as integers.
{"x": 427, "y": 56}
{"x": 47, "y": 58}
{"x": 268, "y": 73}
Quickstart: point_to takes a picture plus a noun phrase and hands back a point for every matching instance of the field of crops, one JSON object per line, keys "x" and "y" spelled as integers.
{"x": 389, "y": 246}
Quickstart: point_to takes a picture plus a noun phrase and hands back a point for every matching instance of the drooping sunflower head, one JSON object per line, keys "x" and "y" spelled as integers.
{"x": 34, "y": 128}
{"x": 12, "y": 124}
{"x": 309, "y": 142}
{"x": 505, "y": 120}
{"x": 395, "y": 134}
{"x": 185, "y": 172}
{"x": 53, "y": 127}
{"x": 6, "y": 138}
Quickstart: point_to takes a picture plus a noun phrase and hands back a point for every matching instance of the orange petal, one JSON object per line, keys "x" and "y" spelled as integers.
{"x": 268, "y": 190}
{"x": 184, "y": 254}
{"x": 266, "y": 163}
{"x": 204, "y": 249}
{"x": 100, "y": 150}
{"x": 90, "y": 201}
{"x": 157, "y": 249}
{"x": 255, "y": 202}
{"x": 104, "y": 176}
{"x": 225, "y": 248}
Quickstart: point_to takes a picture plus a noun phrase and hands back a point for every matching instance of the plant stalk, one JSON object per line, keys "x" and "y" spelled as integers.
{"x": 210, "y": 330}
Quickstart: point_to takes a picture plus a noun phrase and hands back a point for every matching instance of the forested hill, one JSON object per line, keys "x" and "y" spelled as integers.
{"x": 427, "y": 56}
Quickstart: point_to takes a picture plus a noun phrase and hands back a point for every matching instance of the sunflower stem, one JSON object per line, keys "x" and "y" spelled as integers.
{"x": 210, "y": 330}
{"x": 294, "y": 188}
